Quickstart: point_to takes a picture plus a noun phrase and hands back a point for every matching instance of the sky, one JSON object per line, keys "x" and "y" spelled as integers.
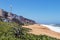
{"x": 42, "y": 11}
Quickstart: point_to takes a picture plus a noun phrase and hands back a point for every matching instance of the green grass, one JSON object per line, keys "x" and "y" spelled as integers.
{"x": 7, "y": 32}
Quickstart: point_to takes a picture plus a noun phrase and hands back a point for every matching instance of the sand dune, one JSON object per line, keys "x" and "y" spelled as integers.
{"x": 39, "y": 29}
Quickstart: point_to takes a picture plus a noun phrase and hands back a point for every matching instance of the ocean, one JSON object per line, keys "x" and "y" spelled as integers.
{"x": 53, "y": 27}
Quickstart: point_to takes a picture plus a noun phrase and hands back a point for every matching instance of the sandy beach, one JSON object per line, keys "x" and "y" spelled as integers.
{"x": 38, "y": 29}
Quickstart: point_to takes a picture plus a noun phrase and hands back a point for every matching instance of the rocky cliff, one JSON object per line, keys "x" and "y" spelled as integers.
{"x": 8, "y": 17}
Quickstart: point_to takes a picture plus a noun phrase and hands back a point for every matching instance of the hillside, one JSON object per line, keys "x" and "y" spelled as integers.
{"x": 11, "y": 17}
{"x": 13, "y": 31}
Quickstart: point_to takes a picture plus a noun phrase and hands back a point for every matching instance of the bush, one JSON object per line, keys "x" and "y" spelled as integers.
{"x": 13, "y": 31}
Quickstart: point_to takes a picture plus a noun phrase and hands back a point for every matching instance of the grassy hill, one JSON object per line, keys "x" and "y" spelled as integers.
{"x": 13, "y": 31}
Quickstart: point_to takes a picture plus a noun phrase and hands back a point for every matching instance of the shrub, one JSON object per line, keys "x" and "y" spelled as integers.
{"x": 8, "y": 31}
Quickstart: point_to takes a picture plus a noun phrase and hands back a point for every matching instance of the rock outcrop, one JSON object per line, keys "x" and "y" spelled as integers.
{"x": 8, "y": 17}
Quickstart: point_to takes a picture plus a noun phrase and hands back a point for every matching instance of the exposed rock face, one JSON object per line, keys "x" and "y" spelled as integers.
{"x": 10, "y": 16}
{"x": 27, "y": 20}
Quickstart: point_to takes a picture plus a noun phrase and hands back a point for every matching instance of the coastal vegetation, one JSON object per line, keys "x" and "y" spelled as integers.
{"x": 13, "y": 31}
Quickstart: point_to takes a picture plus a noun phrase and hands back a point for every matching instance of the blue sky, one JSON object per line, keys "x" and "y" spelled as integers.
{"x": 42, "y": 11}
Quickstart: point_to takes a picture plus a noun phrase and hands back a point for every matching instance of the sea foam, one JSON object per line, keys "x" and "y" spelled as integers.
{"x": 53, "y": 28}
